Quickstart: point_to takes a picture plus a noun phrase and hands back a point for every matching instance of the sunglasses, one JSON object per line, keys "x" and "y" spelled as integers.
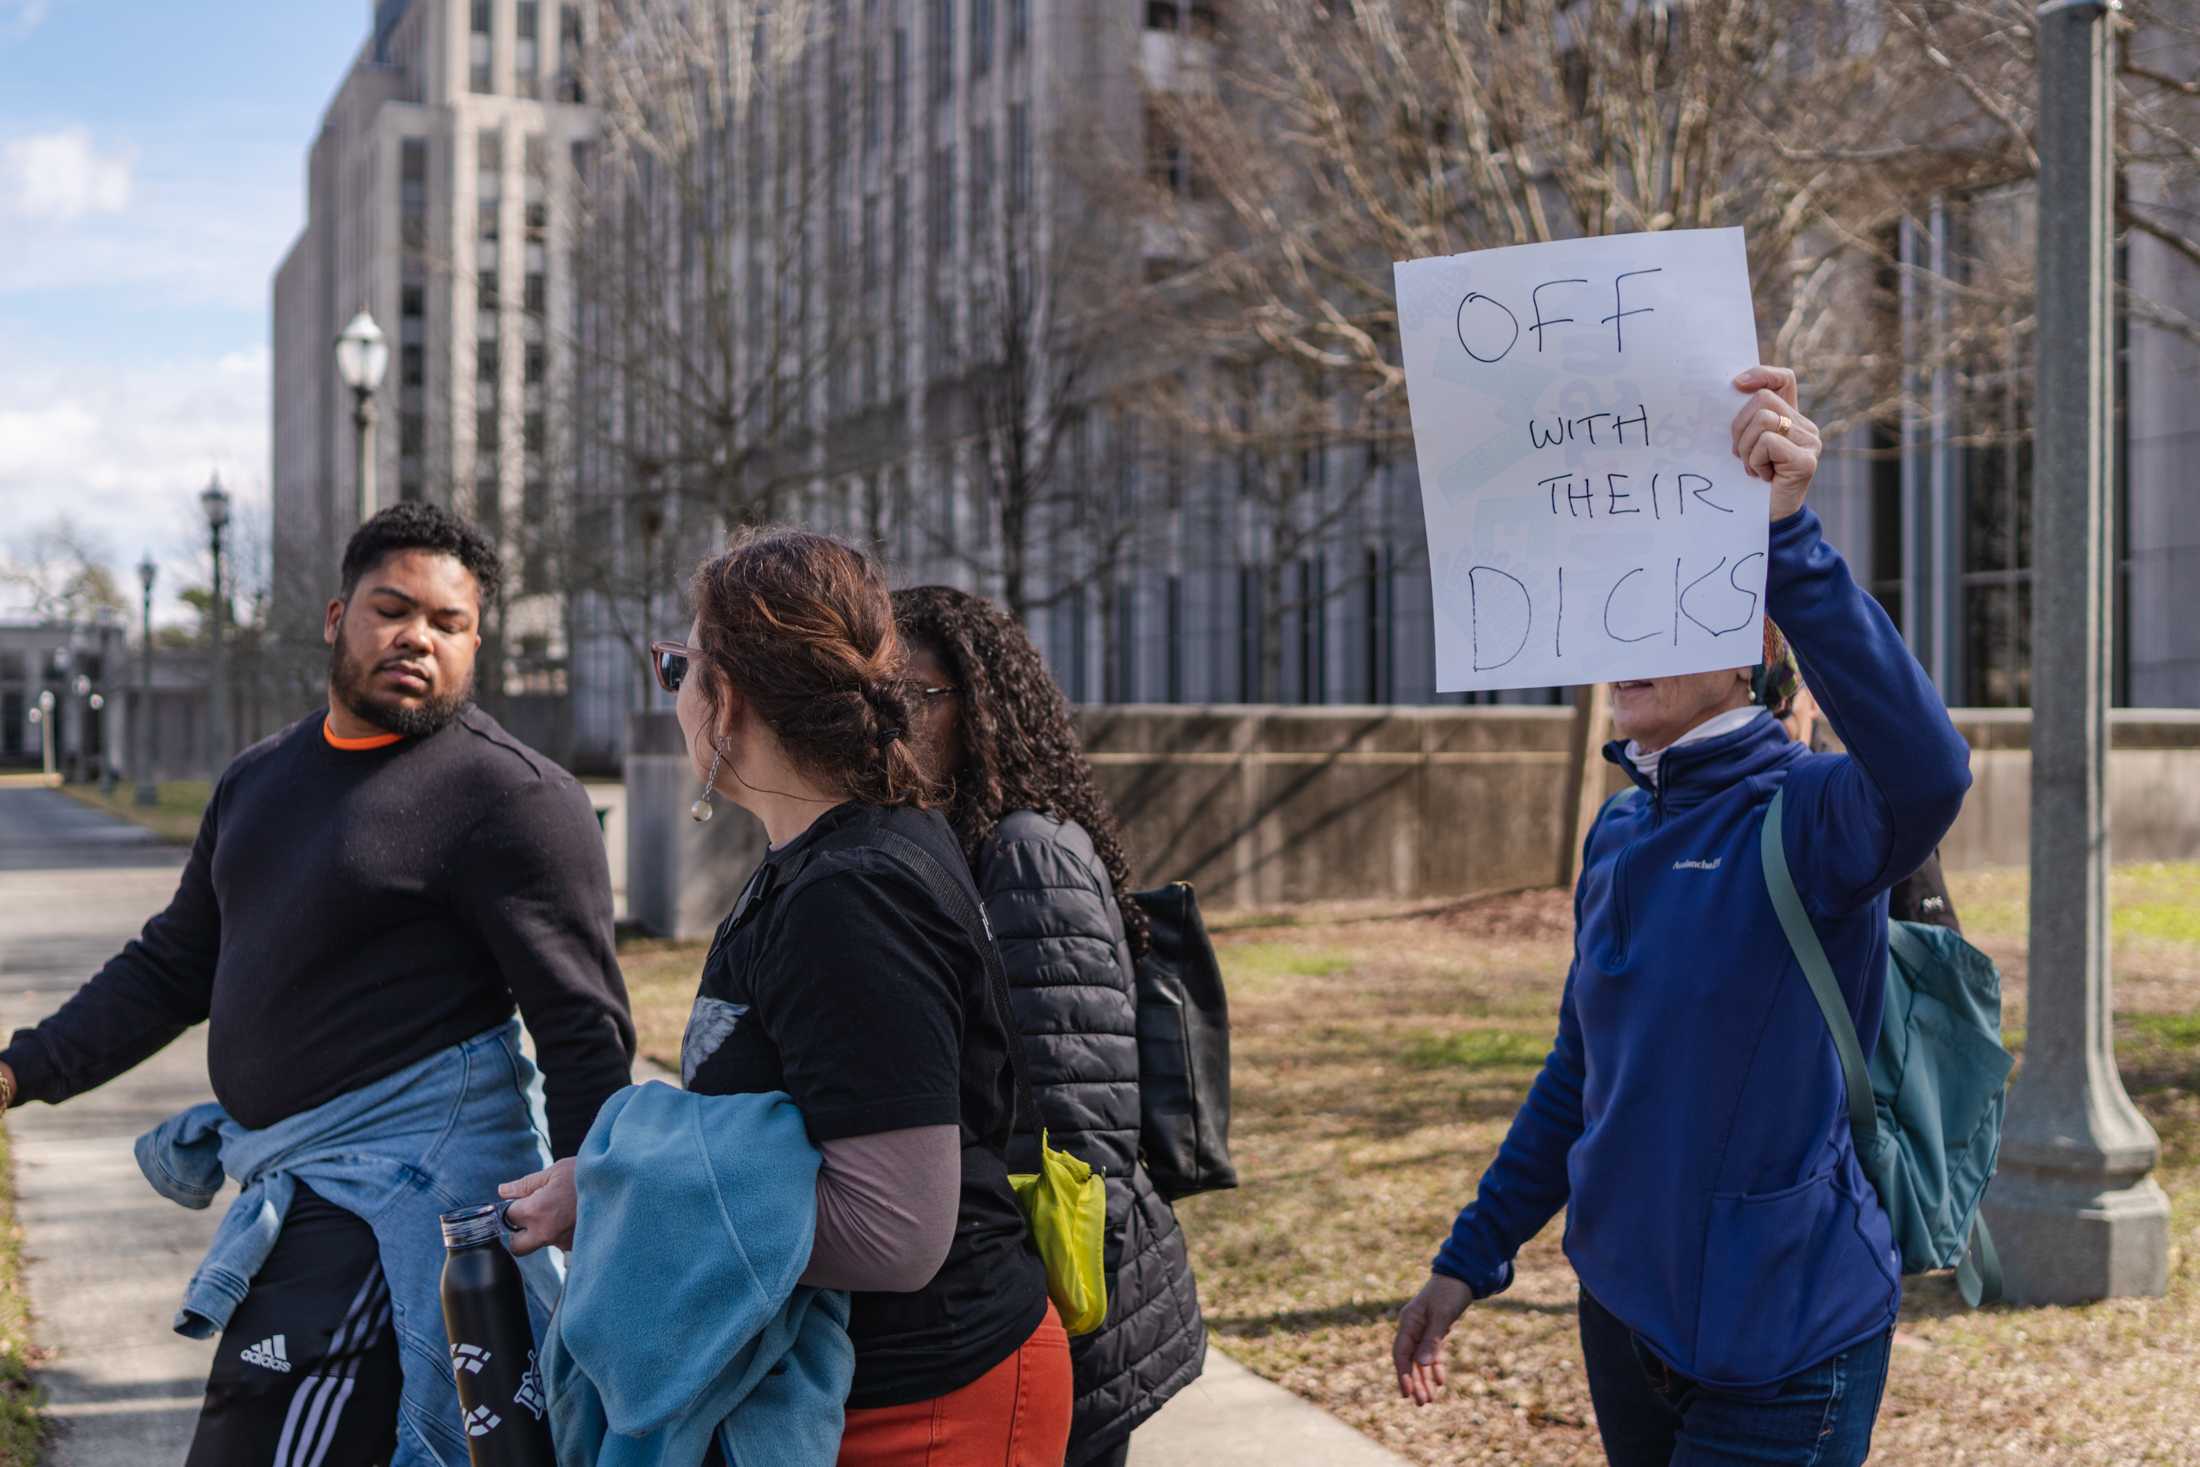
{"x": 669, "y": 660}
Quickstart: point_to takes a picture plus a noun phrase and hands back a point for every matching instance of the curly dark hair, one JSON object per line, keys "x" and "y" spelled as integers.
{"x": 802, "y": 626}
{"x": 415, "y": 524}
{"x": 1021, "y": 748}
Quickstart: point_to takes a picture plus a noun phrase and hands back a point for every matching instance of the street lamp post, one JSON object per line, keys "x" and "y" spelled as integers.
{"x": 148, "y": 793}
{"x": 362, "y": 355}
{"x": 42, "y": 715}
{"x": 215, "y": 501}
{"x": 2077, "y": 1215}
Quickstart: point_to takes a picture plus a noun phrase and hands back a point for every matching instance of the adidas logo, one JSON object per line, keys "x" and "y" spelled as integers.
{"x": 482, "y": 1421}
{"x": 269, "y": 1354}
{"x": 469, "y": 1358}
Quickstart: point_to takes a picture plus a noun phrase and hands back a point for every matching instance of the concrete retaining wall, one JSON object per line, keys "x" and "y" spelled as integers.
{"x": 681, "y": 876}
{"x": 1268, "y": 806}
{"x": 1263, "y": 806}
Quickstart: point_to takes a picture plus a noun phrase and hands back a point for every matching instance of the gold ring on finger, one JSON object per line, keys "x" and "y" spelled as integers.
{"x": 1786, "y": 422}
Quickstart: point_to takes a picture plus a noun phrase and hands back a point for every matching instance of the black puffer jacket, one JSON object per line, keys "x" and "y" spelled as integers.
{"x": 1060, "y": 933}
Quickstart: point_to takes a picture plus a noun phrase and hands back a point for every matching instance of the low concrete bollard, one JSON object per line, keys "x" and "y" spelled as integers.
{"x": 682, "y": 876}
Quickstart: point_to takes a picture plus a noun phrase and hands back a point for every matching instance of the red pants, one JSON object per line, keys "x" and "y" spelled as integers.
{"x": 1015, "y": 1415}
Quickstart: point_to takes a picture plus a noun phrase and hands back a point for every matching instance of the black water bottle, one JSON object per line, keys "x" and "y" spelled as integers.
{"x": 492, "y": 1348}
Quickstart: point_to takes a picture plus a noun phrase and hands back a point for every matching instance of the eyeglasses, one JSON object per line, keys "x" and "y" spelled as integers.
{"x": 669, "y": 660}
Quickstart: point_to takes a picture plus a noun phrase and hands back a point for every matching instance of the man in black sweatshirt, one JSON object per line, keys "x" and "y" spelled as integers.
{"x": 373, "y": 886}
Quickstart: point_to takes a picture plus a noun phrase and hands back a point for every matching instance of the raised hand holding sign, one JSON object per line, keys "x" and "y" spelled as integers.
{"x": 1575, "y": 423}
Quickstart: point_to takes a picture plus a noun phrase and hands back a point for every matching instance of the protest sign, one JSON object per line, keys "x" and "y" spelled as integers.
{"x": 1572, "y": 408}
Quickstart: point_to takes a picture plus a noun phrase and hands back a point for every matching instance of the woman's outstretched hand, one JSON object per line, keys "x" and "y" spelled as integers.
{"x": 1423, "y": 1324}
{"x": 542, "y": 1210}
{"x": 1773, "y": 439}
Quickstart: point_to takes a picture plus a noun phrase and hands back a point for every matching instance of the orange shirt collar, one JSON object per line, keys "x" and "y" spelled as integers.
{"x": 352, "y": 746}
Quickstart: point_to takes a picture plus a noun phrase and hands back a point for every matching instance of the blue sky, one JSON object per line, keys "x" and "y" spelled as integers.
{"x": 151, "y": 158}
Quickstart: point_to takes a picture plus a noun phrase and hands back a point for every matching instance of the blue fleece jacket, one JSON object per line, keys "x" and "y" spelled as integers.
{"x": 1691, "y": 1115}
{"x": 684, "y": 1319}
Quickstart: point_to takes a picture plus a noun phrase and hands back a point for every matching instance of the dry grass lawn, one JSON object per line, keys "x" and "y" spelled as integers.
{"x": 1379, "y": 1055}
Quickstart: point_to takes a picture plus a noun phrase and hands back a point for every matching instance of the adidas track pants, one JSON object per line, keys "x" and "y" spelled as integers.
{"x": 307, "y": 1372}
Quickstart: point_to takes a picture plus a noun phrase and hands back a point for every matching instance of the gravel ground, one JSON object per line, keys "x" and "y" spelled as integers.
{"x": 1379, "y": 1054}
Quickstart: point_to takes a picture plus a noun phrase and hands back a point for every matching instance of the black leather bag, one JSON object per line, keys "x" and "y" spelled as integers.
{"x": 1183, "y": 1051}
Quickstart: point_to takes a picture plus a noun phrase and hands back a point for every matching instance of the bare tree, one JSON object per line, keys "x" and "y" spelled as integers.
{"x": 1043, "y": 315}
{"x": 703, "y": 329}
{"x": 1344, "y": 135}
{"x": 59, "y": 572}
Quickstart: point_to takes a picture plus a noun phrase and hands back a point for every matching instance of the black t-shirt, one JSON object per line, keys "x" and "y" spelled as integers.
{"x": 839, "y": 978}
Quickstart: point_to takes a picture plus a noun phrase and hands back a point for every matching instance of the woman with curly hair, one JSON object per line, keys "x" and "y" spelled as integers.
{"x": 995, "y": 730}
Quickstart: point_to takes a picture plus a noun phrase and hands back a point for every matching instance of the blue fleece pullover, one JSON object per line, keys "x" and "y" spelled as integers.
{"x": 1691, "y": 1116}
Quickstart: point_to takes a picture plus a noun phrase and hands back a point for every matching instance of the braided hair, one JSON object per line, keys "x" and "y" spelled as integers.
{"x": 1021, "y": 750}
{"x": 802, "y": 626}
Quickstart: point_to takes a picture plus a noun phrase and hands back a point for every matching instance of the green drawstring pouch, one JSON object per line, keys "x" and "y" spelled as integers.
{"x": 1065, "y": 1203}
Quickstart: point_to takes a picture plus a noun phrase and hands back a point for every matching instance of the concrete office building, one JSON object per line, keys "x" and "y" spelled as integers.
{"x": 435, "y": 191}
{"x": 935, "y": 112}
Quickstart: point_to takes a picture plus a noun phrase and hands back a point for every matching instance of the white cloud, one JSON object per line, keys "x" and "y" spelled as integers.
{"x": 123, "y": 450}
{"x": 60, "y": 176}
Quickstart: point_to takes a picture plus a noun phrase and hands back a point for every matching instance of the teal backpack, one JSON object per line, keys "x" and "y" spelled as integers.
{"x": 1927, "y": 1112}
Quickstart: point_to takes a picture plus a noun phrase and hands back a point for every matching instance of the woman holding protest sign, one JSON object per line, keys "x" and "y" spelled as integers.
{"x": 1739, "y": 1278}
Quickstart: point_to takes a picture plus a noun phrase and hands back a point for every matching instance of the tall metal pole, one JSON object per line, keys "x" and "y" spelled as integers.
{"x": 2075, "y": 1212}
{"x": 148, "y": 793}
{"x": 218, "y": 723}
{"x": 363, "y": 418}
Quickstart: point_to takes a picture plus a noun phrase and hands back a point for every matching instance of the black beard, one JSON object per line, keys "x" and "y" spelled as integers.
{"x": 350, "y": 681}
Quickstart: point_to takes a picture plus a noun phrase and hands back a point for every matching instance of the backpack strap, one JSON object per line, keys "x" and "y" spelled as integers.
{"x": 950, "y": 894}
{"x": 1811, "y": 954}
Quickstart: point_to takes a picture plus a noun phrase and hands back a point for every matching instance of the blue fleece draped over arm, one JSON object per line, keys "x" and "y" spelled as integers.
{"x": 1858, "y": 824}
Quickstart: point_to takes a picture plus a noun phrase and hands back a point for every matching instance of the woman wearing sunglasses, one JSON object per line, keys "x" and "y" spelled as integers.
{"x": 842, "y": 979}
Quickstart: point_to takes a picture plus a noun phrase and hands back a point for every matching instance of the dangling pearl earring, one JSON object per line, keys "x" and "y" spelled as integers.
{"x": 700, "y": 811}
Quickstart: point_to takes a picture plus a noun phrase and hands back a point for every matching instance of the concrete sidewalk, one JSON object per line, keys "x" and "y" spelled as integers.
{"x": 106, "y": 1257}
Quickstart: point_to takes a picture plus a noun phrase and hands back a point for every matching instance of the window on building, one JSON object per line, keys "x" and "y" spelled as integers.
{"x": 981, "y": 188}
{"x": 1313, "y": 621}
{"x": 1019, "y": 24}
{"x": 1161, "y": 15}
{"x": 1249, "y": 601}
{"x": 537, "y": 298}
{"x": 1019, "y": 157}
{"x": 873, "y": 119}
{"x": 942, "y": 188}
{"x": 412, "y": 177}
{"x": 536, "y": 362}
{"x": 527, "y": 48}
{"x": 1173, "y": 637}
{"x": 1168, "y": 165}
{"x": 942, "y": 47}
{"x": 489, "y": 184}
{"x": 1377, "y": 610}
{"x": 981, "y": 37}
{"x": 536, "y": 188}
{"x": 487, "y": 363}
{"x": 570, "y": 54}
{"x": 1997, "y": 545}
{"x": 901, "y": 85}
{"x": 478, "y": 48}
